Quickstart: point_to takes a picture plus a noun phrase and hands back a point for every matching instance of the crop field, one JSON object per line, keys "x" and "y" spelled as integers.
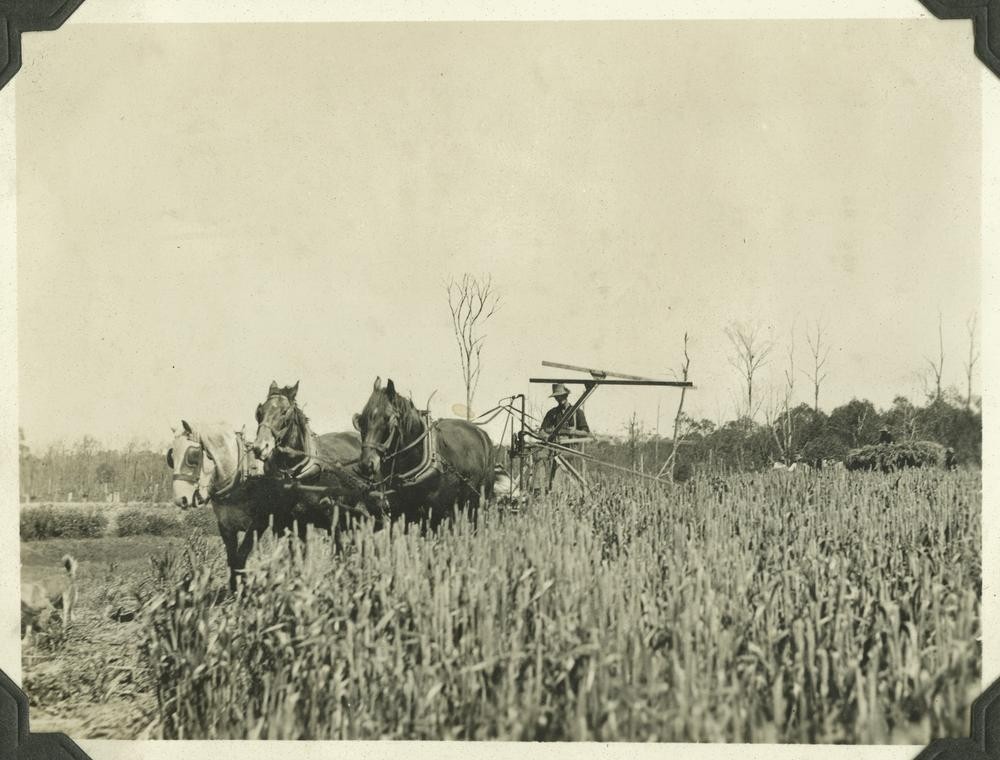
{"x": 769, "y": 607}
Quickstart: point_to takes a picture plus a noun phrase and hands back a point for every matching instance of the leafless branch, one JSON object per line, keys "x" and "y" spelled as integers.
{"x": 970, "y": 363}
{"x": 472, "y": 301}
{"x": 820, "y": 353}
{"x": 751, "y": 352}
{"x": 937, "y": 365}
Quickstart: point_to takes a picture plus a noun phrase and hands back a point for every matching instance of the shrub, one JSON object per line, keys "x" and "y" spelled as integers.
{"x": 46, "y": 521}
{"x": 139, "y": 522}
{"x": 200, "y": 518}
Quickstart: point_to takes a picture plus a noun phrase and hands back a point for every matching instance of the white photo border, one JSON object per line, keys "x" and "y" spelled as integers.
{"x": 311, "y": 11}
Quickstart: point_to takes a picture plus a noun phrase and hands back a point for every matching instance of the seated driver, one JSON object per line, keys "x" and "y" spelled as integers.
{"x": 545, "y": 462}
{"x": 576, "y": 425}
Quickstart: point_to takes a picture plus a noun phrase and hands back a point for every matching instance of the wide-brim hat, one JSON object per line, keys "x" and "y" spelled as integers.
{"x": 558, "y": 389}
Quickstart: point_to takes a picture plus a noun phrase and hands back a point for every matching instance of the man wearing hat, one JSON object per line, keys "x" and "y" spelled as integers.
{"x": 576, "y": 425}
{"x": 545, "y": 462}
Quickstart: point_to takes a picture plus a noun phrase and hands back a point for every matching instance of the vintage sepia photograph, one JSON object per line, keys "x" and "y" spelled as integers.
{"x": 533, "y": 381}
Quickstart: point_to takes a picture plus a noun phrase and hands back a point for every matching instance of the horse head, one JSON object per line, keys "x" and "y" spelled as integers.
{"x": 194, "y": 472}
{"x": 276, "y": 418}
{"x": 384, "y": 423}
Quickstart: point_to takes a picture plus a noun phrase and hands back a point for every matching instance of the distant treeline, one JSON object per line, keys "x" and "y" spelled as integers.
{"x": 799, "y": 433}
{"x": 87, "y": 472}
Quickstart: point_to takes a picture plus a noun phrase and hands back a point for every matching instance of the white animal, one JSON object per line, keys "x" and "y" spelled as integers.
{"x": 40, "y": 600}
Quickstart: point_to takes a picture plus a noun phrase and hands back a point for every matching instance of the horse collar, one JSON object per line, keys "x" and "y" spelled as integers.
{"x": 430, "y": 460}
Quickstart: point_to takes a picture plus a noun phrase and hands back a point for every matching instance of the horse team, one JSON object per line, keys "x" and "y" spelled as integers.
{"x": 398, "y": 463}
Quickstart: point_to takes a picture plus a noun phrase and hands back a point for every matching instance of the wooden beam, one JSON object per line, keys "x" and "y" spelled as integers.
{"x": 587, "y": 457}
{"x": 592, "y": 381}
{"x": 576, "y": 474}
{"x": 598, "y": 373}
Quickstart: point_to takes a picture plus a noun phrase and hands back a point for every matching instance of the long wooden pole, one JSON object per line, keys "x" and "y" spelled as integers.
{"x": 672, "y": 459}
{"x": 598, "y": 381}
{"x": 589, "y": 457}
{"x": 599, "y": 373}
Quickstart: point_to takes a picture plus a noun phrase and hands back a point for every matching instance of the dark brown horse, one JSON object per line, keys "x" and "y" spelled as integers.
{"x": 320, "y": 470}
{"x": 426, "y": 468}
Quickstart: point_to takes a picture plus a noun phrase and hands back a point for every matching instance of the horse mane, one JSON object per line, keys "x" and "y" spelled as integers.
{"x": 201, "y": 430}
{"x": 300, "y": 415}
{"x": 217, "y": 433}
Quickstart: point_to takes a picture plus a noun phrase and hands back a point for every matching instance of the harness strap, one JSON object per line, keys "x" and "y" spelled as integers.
{"x": 410, "y": 445}
{"x": 323, "y": 460}
{"x": 310, "y": 466}
{"x": 430, "y": 462}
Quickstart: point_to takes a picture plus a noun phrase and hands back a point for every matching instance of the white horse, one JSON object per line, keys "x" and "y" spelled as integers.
{"x": 214, "y": 465}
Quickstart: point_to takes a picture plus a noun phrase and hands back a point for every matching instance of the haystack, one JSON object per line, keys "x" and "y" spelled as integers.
{"x": 887, "y": 457}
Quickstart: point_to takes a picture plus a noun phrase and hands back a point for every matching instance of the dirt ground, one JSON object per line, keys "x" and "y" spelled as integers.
{"x": 88, "y": 682}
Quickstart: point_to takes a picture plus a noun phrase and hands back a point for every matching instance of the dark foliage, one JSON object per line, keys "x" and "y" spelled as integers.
{"x": 46, "y": 521}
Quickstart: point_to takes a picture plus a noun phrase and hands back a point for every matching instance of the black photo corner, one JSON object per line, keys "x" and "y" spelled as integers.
{"x": 16, "y": 740}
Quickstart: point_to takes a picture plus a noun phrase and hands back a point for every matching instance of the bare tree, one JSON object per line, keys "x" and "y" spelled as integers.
{"x": 779, "y": 413}
{"x": 775, "y": 422}
{"x": 656, "y": 436}
{"x": 636, "y": 434}
{"x": 970, "y": 363}
{"x": 675, "y": 440}
{"x": 751, "y": 353}
{"x": 820, "y": 352}
{"x": 937, "y": 367}
{"x": 472, "y": 302}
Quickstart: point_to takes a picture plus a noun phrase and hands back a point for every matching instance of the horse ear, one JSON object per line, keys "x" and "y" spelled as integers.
{"x": 293, "y": 391}
{"x": 273, "y": 389}
{"x": 378, "y": 384}
{"x": 186, "y": 426}
{"x": 357, "y": 422}
{"x": 390, "y": 390}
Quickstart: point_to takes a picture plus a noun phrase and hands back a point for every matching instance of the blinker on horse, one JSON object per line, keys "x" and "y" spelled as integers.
{"x": 193, "y": 473}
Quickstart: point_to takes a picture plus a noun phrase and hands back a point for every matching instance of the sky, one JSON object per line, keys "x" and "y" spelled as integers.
{"x": 195, "y": 221}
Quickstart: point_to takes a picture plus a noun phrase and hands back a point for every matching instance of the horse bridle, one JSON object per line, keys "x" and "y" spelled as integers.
{"x": 191, "y": 470}
{"x": 395, "y": 434}
{"x": 279, "y": 435}
{"x": 382, "y": 448}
